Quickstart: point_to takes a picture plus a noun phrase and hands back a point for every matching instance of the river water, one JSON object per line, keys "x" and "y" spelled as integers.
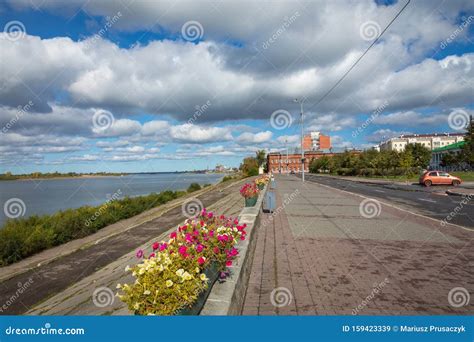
{"x": 50, "y": 195}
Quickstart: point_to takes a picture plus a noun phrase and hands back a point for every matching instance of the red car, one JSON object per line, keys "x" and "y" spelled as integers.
{"x": 439, "y": 178}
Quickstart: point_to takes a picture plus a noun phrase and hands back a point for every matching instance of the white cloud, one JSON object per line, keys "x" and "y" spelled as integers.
{"x": 410, "y": 119}
{"x": 254, "y": 138}
{"x": 198, "y": 134}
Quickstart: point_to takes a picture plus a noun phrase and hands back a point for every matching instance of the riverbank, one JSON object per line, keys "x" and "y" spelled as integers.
{"x": 54, "y": 270}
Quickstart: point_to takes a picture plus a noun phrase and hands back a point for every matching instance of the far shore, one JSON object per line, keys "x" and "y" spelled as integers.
{"x": 60, "y": 177}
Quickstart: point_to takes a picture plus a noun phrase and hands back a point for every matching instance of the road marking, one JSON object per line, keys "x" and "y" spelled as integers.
{"x": 426, "y": 200}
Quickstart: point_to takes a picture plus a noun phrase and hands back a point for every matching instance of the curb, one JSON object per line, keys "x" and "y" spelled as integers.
{"x": 455, "y": 193}
{"x": 227, "y": 298}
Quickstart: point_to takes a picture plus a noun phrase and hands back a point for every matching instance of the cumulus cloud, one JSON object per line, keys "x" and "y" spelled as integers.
{"x": 254, "y": 138}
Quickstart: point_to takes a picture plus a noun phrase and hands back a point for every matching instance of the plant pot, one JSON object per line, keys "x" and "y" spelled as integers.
{"x": 251, "y": 201}
{"x": 212, "y": 273}
{"x": 261, "y": 186}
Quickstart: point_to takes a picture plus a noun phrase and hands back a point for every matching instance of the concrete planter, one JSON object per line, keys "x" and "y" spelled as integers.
{"x": 212, "y": 273}
{"x": 250, "y": 202}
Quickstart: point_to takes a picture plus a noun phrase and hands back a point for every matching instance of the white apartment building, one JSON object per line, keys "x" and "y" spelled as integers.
{"x": 430, "y": 141}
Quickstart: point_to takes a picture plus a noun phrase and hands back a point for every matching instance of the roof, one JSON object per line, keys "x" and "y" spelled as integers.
{"x": 454, "y": 146}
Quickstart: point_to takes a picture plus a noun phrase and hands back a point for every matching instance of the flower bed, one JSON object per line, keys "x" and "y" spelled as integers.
{"x": 172, "y": 278}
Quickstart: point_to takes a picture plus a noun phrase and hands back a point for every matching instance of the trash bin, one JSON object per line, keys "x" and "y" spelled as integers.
{"x": 269, "y": 202}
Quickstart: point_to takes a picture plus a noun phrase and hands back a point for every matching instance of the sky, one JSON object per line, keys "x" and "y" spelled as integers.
{"x": 142, "y": 86}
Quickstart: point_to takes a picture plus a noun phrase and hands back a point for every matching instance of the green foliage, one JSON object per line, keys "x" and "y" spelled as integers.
{"x": 23, "y": 237}
{"x": 467, "y": 151}
{"x": 260, "y": 156}
{"x": 249, "y": 167}
{"x": 226, "y": 179}
{"x": 194, "y": 187}
{"x": 373, "y": 163}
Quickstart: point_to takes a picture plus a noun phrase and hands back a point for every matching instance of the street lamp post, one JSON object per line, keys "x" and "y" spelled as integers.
{"x": 300, "y": 101}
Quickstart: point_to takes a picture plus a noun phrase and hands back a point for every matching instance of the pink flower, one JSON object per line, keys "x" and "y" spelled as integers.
{"x": 152, "y": 255}
{"x": 228, "y": 263}
{"x": 139, "y": 253}
{"x": 210, "y": 215}
{"x": 163, "y": 246}
{"x": 216, "y": 250}
{"x": 201, "y": 260}
{"x": 182, "y": 250}
{"x": 234, "y": 251}
{"x": 188, "y": 237}
{"x": 211, "y": 233}
{"x": 173, "y": 235}
{"x": 242, "y": 237}
{"x": 199, "y": 248}
{"x": 155, "y": 246}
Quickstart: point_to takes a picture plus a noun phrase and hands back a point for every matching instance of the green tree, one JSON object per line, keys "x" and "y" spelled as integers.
{"x": 467, "y": 151}
{"x": 249, "y": 167}
{"x": 260, "y": 155}
{"x": 406, "y": 160}
{"x": 320, "y": 164}
{"x": 421, "y": 155}
{"x": 449, "y": 159}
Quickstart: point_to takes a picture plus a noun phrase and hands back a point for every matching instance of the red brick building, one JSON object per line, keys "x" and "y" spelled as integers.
{"x": 316, "y": 141}
{"x": 278, "y": 163}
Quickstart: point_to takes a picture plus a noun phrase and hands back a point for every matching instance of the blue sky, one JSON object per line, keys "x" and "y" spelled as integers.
{"x": 138, "y": 86}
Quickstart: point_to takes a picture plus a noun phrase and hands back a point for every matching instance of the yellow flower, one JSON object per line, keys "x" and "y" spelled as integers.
{"x": 180, "y": 272}
{"x": 146, "y": 292}
{"x": 197, "y": 270}
{"x": 118, "y": 286}
{"x": 169, "y": 283}
{"x": 136, "y": 306}
{"x": 187, "y": 276}
{"x": 203, "y": 277}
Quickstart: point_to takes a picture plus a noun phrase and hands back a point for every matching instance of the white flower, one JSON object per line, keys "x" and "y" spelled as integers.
{"x": 118, "y": 286}
{"x": 146, "y": 292}
{"x": 180, "y": 272}
{"x": 127, "y": 268}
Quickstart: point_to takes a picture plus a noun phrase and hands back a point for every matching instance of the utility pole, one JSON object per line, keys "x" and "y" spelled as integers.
{"x": 286, "y": 145}
{"x": 302, "y": 136}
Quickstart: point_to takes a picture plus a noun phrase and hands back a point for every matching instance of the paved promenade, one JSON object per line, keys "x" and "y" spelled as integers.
{"x": 327, "y": 252}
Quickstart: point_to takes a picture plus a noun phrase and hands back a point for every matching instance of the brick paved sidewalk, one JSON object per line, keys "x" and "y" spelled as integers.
{"x": 319, "y": 255}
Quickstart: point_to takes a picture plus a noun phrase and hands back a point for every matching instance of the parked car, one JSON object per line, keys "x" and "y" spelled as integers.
{"x": 439, "y": 178}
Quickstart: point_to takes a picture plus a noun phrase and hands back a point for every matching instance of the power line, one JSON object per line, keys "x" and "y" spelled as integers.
{"x": 362, "y": 56}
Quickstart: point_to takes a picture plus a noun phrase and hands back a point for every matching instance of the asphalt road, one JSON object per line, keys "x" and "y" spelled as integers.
{"x": 432, "y": 202}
